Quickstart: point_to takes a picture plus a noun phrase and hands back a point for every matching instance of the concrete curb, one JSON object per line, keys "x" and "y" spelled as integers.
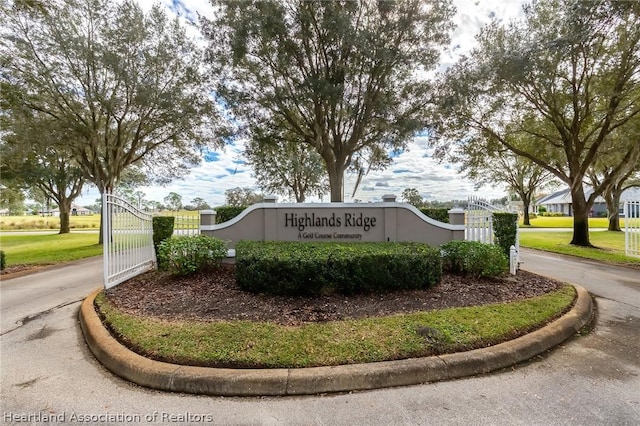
{"x": 302, "y": 381}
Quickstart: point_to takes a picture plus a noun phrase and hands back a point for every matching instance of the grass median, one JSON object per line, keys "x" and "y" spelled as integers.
{"x": 247, "y": 344}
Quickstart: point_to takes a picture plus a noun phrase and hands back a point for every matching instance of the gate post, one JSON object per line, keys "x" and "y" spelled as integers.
{"x": 456, "y": 216}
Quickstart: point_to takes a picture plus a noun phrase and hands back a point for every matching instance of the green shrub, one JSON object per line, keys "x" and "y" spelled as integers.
{"x": 505, "y": 228}
{"x": 438, "y": 214}
{"x": 3, "y": 260}
{"x": 162, "y": 229}
{"x": 473, "y": 258}
{"x": 189, "y": 254}
{"x": 296, "y": 268}
{"x": 225, "y": 213}
{"x": 542, "y": 209}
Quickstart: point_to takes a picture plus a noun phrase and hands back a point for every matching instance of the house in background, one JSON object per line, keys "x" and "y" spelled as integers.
{"x": 75, "y": 211}
{"x": 560, "y": 202}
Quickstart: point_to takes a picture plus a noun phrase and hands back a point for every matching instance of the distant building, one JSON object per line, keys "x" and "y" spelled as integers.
{"x": 560, "y": 202}
{"x": 75, "y": 211}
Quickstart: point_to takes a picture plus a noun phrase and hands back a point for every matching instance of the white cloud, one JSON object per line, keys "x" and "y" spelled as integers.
{"x": 414, "y": 168}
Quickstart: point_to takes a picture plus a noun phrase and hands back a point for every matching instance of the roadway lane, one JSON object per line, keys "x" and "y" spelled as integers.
{"x": 611, "y": 282}
{"x": 26, "y": 297}
{"x": 594, "y": 379}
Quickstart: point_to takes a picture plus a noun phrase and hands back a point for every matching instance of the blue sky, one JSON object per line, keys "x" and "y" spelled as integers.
{"x": 411, "y": 168}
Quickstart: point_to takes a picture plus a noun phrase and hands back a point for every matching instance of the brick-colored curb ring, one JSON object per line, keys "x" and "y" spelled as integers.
{"x": 299, "y": 381}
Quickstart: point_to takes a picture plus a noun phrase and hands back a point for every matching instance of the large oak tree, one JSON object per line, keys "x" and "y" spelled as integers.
{"x": 34, "y": 157}
{"x": 347, "y": 78}
{"x": 128, "y": 84}
{"x": 551, "y": 87}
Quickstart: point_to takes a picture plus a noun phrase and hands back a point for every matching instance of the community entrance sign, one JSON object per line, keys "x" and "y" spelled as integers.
{"x": 338, "y": 222}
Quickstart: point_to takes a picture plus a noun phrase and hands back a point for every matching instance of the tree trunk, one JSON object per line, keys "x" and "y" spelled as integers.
{"x": 525, "y": 207}
{"x": 65, "y": 210}
{"x": 336, "y": 180}
{"x": 612, "y": 199}
{"x": 298, "y": 191}
{"x": 580, "y": 218}
{"x": 102, "y": 213}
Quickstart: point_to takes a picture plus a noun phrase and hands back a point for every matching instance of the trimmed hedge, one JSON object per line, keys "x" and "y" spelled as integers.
{"x": 3, "y": 260}
{"x": 187, "y": 255}
{"x": 438, "y": 214}
{"x": 162, "y": 229}
{"x": 473, "y": 258}
{"x": 225, "y": 213}
{"x": 505, "y": 228}
{"x": 296, "y": 269}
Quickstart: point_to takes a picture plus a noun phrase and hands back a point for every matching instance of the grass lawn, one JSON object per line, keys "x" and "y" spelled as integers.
{"x": 47, "y": 249}
{"x": 609, "y": 246}
{"x": 269, "y": 345}
{"x": 567, "y": 222}
{"x": 22, "y": 223}
{"x": 17, "y": 223}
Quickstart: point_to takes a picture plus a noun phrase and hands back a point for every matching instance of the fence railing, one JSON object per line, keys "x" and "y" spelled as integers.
{"x": 185, "y": 225}
{"x": 479, "y": 220}
{"x": 127, "y": 240}
{"x": 632, "y": 228}
{"x": 479, "y": 227}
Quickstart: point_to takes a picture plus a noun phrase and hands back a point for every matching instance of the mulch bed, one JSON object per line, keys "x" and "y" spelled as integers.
{"x": 214, "y": 295}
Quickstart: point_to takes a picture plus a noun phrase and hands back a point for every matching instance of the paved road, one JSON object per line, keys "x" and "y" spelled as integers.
{"x": 46, "y": 370}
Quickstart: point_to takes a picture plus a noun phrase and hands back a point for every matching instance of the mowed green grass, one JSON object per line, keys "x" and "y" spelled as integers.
{"x": 567, "y": 222}
{"x": 270, "y": 345}
{"x": 32, "y": 222}
{"x": 48, "y": 249}
{"x": 18, "y": 223}
{"x": 609, "y": 245}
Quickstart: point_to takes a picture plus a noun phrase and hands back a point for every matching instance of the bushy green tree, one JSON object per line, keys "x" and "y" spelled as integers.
{"x": 287, "y": 168}
{"x": 349, "y": 79}
{"x": 173, "y": 201}
{"x": 413, "y": 197}
{"x": 34, "y": 156}
{"x": 127, "y": 84}
{"x": 551, "y": 87}
{"x": 241, "y": 197}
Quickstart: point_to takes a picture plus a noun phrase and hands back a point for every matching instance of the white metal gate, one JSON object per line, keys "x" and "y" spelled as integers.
{"x": 186, "y": 225}
{"x": 632, "y": 228}
{"x": 479, "y": 227}
{"x": 479, "y": 221}
{"x": 127, "y": 235}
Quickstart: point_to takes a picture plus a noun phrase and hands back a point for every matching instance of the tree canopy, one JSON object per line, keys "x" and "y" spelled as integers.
{"x": 241, "y": 197}
{"x": 552, "y": 87}
{"x": 128, "y": 85}
{"x": 288, "y": 168}
{"x": 413, "y": 197}
{"x": 34, "y": 157}
{"x": 173, "y": 201}
{"x": 349, "y": 79}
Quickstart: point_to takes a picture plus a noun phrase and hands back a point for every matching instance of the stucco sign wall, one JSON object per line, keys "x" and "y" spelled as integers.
{"x": 340, "y": 222}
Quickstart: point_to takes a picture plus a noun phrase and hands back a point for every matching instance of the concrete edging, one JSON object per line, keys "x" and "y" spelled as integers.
{"x": 302, "y": 381}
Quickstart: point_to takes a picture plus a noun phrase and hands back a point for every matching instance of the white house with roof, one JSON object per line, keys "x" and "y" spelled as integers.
{"x": 560, "y": 202}
{"x": 75, "y": 211}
